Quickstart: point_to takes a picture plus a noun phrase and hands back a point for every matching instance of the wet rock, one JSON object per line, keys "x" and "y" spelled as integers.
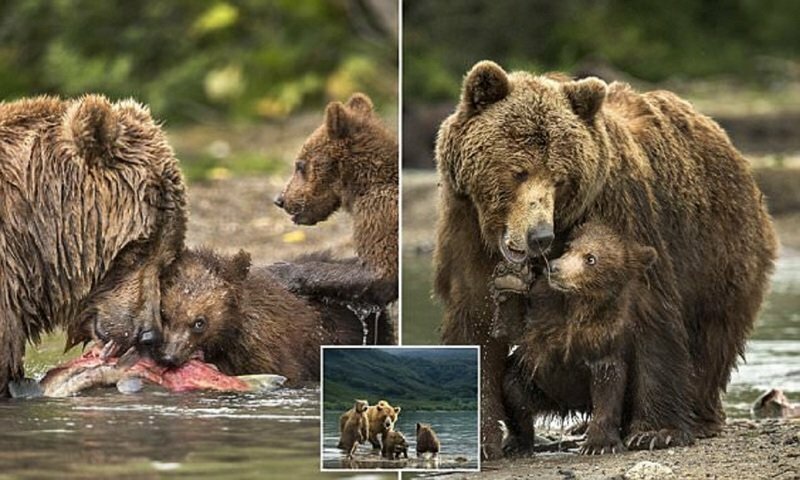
{"x": 649, "y": 471}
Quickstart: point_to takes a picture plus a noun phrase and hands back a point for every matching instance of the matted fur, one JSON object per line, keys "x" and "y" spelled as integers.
{"x": 649, "y": 166}
{"x": 92, "y": 207}
{"x": 350, "y": 162}
{"x": 252, "y": 323}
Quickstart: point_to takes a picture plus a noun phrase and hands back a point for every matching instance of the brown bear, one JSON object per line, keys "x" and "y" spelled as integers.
{"x": 354, "y": 428}
{"x": 349, "y": 162}
{"x": 525, "y": 158}
{"x": 244, "y": 321}
{"x": 427, "y": 441}
{"x": 382, "y": 418}
{"x": 584, "y": 323}
{"x": 393, "y": 445}
{"x": 93, "y": 208}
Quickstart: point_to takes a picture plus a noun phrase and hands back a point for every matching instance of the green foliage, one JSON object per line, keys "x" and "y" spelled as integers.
{"x": 415, "y": 379}
{"x": 649, "y": 39}
{"x": 197, "y": 60}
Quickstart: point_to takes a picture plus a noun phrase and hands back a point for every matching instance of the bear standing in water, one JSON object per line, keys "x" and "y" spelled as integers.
{"x": 92, "y": 209}
{"x": 245, "y": 322}
{"x": 427, "y": 441}
{"x": 349, "y": 162}
{"x": 354, "y": 429}
{"x": 393, "y": 445}
{"x": 583, "y": 326}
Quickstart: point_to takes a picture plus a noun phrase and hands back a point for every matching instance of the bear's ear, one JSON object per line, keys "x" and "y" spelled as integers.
{"x": 360, "y": 103}
{"x": 379, "y": 407}
{"x": 645, "y": 256}
{"x": 91, "y": 128}
{"x": 586, "y": 96}
{"x": 397, "y": 410}
{"x": 485, "y": 84}
{"x": 337, "y": 120}
{"x": 238, "y": 268}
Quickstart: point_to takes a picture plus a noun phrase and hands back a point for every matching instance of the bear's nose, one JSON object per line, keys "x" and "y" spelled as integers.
{"x": 279, "y": 201}
{"x": 149, "y": 337}
{"x": 553, "y": 266}
{"x": 168, "y": 360}
{"x": 539, "y": 238}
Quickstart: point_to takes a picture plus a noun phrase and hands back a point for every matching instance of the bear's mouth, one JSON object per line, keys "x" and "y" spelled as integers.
{"x": 557, "y": 285}
{"x": 510, "y": 253}
{"x": 300, "y": 219}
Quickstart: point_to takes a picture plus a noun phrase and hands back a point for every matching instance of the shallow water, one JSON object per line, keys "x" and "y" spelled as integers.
{"x": 197, "y": 435}
{"x": 457, "y": 432}
{"x": 773, "y": 352}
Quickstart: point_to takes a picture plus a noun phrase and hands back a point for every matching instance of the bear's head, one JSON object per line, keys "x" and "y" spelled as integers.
{"x": 320, "y": 182}
{"x": 386, "y": 414}
{"x": 200, "y": 304}
{"x": 598, "y": 262}
{"x": 134, "y": 187}
{"x": 360, "y": 406}
{"x": 397, "y": 440}
{"x": 528, "y": 152}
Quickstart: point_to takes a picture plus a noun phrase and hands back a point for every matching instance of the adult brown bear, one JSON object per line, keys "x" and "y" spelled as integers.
{"x": 525, "y": 159}
{"x": 92, "y": 208}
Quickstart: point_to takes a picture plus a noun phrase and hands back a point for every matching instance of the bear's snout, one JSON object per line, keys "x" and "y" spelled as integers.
{"x": 539, "y": 239}
{"x": 279, "y": 201}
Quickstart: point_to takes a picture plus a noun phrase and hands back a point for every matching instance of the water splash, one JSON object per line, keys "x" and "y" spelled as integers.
{"x": 363, "y": 312}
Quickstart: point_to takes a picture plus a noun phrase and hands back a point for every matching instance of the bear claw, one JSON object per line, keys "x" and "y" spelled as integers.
{"x": 654, "y": 440}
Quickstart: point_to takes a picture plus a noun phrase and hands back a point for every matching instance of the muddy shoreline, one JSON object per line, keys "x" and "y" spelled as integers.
{"x": 746, "y": 449}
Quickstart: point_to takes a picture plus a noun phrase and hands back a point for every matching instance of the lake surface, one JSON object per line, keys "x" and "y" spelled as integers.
{"x": 155, "y": 434}
{"x": 773, "y": 352}
{"x": 457, "y": 432}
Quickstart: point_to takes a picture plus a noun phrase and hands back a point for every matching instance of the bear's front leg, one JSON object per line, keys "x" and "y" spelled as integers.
{"x": 12, "y": 350}
{"x": 508, "y": 288}
{"x": 609, "y": 380}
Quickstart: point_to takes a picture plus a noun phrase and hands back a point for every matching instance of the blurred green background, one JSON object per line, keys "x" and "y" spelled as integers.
{"x": 205, "y": 62}
{"x": 653, "y": 40}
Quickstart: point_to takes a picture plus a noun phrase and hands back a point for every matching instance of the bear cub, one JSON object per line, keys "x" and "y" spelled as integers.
{"x": 244, "y": 321}
{"x": 394, "y": 444}
{"x": 427, "y": 441}
{"x": 354, "y": 428}
{"x": 348, "y": 163}
{"x": 584, "y": 322}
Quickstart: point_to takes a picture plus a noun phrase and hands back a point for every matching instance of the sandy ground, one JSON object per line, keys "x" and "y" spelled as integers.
{"x": 238, "y": 213}
{"x": 746, "y": 449}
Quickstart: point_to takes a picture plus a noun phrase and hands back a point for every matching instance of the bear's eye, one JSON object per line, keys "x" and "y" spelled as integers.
{"x": 199, "y": 324}
{"x": 300, "y": 167}
{"x": 520, "y": 176}
{"x": 590, "y": 259}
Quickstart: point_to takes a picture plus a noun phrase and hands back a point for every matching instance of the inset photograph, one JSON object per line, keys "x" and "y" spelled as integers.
{"x": 400, "y": 408}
